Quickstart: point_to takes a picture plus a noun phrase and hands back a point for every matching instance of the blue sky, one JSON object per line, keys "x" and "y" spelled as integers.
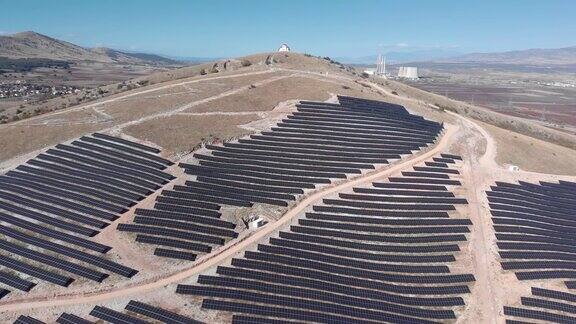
{"x": 335, "y": 28}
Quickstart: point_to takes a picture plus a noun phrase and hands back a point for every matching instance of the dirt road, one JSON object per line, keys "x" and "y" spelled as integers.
{"x": 232, "y": 250}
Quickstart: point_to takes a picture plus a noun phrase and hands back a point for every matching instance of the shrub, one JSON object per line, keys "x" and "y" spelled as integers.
{"x": 203, "y": 72}
{"x": 246, "y": 63}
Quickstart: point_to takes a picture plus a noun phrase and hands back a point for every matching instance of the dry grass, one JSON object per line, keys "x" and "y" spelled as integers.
{"x": 266, "y": 97}
{"x": 532, "y": 154}
{"x": 184, "y": 133}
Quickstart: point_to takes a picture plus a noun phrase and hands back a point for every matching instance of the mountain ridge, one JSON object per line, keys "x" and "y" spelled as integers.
{"x": 30, "y": 44}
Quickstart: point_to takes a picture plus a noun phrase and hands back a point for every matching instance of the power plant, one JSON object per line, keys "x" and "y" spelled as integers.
{"x": 380, "y": 66}
{"x": 408, "y": 72}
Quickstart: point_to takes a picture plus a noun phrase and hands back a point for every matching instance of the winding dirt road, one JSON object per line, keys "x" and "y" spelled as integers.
{"x": 240, "y": 246}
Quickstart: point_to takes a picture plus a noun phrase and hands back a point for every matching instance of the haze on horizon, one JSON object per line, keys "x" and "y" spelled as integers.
{"x": 335, "y": 28}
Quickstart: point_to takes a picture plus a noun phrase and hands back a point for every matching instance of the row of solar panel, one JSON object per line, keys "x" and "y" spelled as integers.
{"x": 145, "y": 313}
{"x": 75, "y": 188}
{"x": 384, "y": 314}
{"x": 547, "y": 308}
{"x": 534, "y": 228}
{"x": 316, "y": 260}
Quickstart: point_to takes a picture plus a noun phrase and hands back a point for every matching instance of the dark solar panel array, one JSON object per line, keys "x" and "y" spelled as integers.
{"x": 544, "y": 305}
{"x": 535, "y": 227}
{"x": 326, "y": 268}
{"x": 56, "y": 201}
{"x": 139, "y": 313}
{"x": 317, "y": 144}
{"x": 27, "y": 320}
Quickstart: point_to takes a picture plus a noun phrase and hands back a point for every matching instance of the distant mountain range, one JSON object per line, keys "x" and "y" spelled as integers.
{"x": 393, "y": 57}
{"x": 26, "y": 45}
{"x": 537, "y": 56}
{"x": 534, "y": 57}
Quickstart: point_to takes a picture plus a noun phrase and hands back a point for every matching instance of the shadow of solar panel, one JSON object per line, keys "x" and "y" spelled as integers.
{"x": 94, "y": 176}
{"x": 364, "y": 255}
{"x": 50, "y": 232}
{"x": 4, "y": 292}
{"x": 553, "y": 294}
{"x": 436, "y": 164}
{"x": 93, "y": 169}
{"x": 273, "y": 170}
{"x": 425, "y": 180}
{"x": 415, "y": 221}
{"x": 126, "y": 142}
{"x": 66, "y": 318}
{"x": 244, "y": 185}
{"x": 188, "y": 200}
{"x": 64, "y": 193}
{"x": 27, "y": 320}
{"x": 548, "y": 304}
{"x": 15, "y": 249}
{"x": 158, "y": 313}
{"x": 362, "y": 204}
{"x": 537, "y": 315}
{"x": 35, "y": 271}
{"x": 300, "y": 180}
{"x": 397, "y": 192}
{"x": 77, "y": 188}
{"x": 197, "y": 199}
{"x": 436, "y": 170}
{"x": 53, "y": 210}
{"x": 164, "y": 241}
{"x": 119, "y": 155}
{"x": 15, "y": 281}
{"x": 200, "y": 219}
{"x": 190, "y": 236}
{"x": 241, "y": 319}
{"x": 235, "y": 273}
{"x": 535, "y": 265}
{"x": 291, "y": 160}
{"x": 302, "y": 156}
{"x": 185, "y": 226}
{"x": 408, "y": 186}
{"x": 131, "y": 196}
{"x": 60, "y": 202}
{"x": 234, "y": 190}
{"x": 425, "y": 175}
{"x": 546, "y": 274}
{"x": 370, "y": 246}
{"x": 174, "y": 254}
{"x": 421, "y": 200}
{"x": 114, "y": 160}
{"x": 72, "y": 253}
{"x": 376, "y": 237}
{"x": 113, "y": 316}
{"x": 383, "y": 229}
{"x": 330, "y": 146}
{"x": 187, "y": 210}
{"x": 283, "y": 301}
{"x": 319, "y": 151}
{"x": 443, "y": 160}
{"x": 266, "y": 182}
{"x": 128, "y": 150}
{"x": 340, "y": 265}
{"x": 381, "y": 213}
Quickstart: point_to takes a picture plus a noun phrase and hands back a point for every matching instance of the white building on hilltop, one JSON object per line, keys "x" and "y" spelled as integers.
{"x": 284, "y": 48}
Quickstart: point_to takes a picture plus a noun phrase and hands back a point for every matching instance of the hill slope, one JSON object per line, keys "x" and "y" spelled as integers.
{"x": 33, "y": 45}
